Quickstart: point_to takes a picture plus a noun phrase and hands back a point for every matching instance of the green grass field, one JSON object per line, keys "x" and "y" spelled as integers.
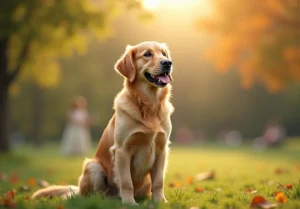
{"x": 236, "y": 171}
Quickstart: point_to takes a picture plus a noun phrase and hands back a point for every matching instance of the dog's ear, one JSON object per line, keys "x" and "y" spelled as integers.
{"x": 125, "y": 65}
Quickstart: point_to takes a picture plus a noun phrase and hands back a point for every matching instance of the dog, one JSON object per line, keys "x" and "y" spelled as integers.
{"x": 131, "y": 157}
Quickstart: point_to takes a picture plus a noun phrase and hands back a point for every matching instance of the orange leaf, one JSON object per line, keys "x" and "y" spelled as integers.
{"x": 199, "y": 190}
{"x": 8, "y": 202}
{"x": 190, "y": 180}
{"x": 31, "y": 182}
{"x": 259, "y": 201}
{"x": 280, "y": 171}
{"x": 10, "y": 194}
{"x": 280, "y": 197}
{"x": 60, "y": 207}
{"x": 176, "y": 184}
{"x": 26, "y": 198}
{"x": 289, "y": 186}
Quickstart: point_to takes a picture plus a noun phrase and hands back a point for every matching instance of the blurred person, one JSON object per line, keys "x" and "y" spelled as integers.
{"x": 231, "y": 138}
{"x": 274, "y": 135}
{"x": 76, "y": 139}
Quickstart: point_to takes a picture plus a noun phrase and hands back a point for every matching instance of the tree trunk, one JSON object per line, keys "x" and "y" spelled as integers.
{"x": 37, "y": 115}
{"x": 4, "y": 98}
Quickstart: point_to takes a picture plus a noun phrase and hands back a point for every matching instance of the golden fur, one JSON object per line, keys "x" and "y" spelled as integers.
{"x": 132, "y": 153}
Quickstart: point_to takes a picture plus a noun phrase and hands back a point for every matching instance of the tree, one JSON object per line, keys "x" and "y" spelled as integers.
{"x": 35, "y": 33}
{"x": 259, "y": 39}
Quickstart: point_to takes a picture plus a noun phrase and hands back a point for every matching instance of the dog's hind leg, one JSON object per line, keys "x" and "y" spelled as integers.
{"x": 92, "y": 178}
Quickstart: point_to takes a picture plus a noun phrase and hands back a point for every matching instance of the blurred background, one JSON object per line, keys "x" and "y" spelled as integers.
{"x": 236, "y": 65}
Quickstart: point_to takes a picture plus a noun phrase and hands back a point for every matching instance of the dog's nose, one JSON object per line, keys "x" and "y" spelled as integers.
{"x": 166, "y": 63}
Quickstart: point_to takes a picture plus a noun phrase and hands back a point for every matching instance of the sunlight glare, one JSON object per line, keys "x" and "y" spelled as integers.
{"x": 151, "y": 4}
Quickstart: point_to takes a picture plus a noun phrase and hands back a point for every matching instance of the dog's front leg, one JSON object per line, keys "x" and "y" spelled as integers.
{"x": 157, "y": 177}
{"x": 123, "y": 159}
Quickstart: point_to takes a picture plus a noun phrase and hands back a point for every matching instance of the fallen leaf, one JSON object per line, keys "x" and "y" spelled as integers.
{"x": 10, "y": 194}
{"x": 43, "y": 183}
{"x": 27, "y": 198}
{"x": 261, "y": 202}
{"x": 205, "y": 175}
{"x": 276, "y": 193}
{"x": 189, "y": 180}
{"x": 176, "y": 184}
{"x": 250, "y": 190}
{"x": 289, "y": 186}
{"x": 31, "y": 181}
{"x": 7, "y": 202}
{"x": 280, "y": 170}
{"x": 171, "y": 185}
{"x": 14, "y": 179}
{"x": 60, "y": 207}
{"x": 199, "y": 190}
{"x": 280, "y": 197}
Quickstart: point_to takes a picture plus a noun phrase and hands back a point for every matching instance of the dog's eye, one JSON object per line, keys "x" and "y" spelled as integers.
{"x": 164, "y": 54}
{"x": 147, "y": 54}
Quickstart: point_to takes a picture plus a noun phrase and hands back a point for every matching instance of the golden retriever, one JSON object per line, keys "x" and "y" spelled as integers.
{"x": 132, "y": 153}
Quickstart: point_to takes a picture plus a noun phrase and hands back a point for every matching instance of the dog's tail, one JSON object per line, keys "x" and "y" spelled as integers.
{"x": 57, "y": 191}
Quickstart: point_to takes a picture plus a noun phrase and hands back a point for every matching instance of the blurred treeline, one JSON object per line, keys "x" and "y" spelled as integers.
{"x": 204, "y": 98}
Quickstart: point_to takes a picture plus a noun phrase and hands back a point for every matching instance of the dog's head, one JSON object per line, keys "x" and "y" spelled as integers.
{"x": 148, "y": 62}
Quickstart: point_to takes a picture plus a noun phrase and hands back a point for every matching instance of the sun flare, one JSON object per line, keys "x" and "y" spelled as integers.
{"x": 151, "y": 4}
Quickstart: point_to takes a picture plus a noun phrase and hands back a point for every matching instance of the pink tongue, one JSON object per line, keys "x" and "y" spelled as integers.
{"x": 164, "y": 78}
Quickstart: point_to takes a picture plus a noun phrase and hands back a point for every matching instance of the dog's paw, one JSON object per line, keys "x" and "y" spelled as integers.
{"x": 130, "y": 202}
{"x": 159, "y": 198}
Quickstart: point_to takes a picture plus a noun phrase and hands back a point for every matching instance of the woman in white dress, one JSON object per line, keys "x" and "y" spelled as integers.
{"x": 76, "y": 139}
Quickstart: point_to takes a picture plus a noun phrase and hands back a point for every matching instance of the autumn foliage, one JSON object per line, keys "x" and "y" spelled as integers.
{"x": 261, "y": 40}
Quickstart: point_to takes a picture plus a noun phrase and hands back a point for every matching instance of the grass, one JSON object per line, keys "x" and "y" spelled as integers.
{"x": 236, "y": 169}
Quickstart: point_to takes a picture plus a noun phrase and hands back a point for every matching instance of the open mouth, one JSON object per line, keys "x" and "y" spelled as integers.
{"x": 159, "y": 80}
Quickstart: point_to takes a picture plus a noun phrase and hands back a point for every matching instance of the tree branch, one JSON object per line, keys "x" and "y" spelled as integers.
{"x": 21, "y": 61}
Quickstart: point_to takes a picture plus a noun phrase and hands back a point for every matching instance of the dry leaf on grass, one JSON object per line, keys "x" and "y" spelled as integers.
{"x": 60, "y": 207}
{"x": 280, "y": 197}
{"x": 8, "y": 200}
{"x": 289, "y": 186}
{"x": 250, "y": 190}
{"x": 205, "y": 175}
{"x": 176, "y": 185}
{"x": 261, "y": 202}
{"x": 10, "y": 194}
{"x": 31, "y": 181}
{"x": 190, "y": 180}
{"x": 280, "y": 171}
{"x": 43, "y": 183}
{"x": 199, "y": 190}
